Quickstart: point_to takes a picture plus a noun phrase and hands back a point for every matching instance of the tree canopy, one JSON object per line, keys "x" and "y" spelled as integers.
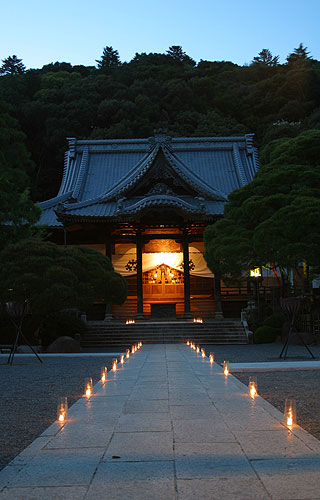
{"x": 274, "y": 219}
{"x": 12, "y": 65}
{"x": 266, "y": 58}
{"x": 18, "y": 213}
{"x": 52, "y": 278}
{"x": 110, "y": 57}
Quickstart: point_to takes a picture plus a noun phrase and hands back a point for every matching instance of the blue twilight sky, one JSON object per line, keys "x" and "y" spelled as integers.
{"x": 75, "y": 31}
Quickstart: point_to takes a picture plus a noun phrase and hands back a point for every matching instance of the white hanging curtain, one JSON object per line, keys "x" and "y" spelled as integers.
{"x": 151, "y": 260}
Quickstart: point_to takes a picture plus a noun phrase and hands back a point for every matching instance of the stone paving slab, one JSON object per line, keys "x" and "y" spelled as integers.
{"x": 167, "y": 425}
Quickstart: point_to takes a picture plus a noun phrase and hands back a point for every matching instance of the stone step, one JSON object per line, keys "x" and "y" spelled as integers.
{"x": 216, "y": 332}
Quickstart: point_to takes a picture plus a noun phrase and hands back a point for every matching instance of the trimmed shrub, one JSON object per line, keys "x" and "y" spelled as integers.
{"x": 275, "y": 321}
{"x": 61, "y": 324}
{"x": 265, "y": 334}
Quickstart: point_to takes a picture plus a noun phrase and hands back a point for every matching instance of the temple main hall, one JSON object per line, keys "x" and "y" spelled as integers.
{"x": 145, "y": 203}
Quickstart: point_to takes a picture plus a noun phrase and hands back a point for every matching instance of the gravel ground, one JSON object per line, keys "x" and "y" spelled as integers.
{"x": 29, "y": 390}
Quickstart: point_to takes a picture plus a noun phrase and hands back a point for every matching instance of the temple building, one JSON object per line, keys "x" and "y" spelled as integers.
{"x": 145, "y": 203}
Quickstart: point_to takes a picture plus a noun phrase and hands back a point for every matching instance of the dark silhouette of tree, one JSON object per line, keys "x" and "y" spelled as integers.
{"x": 12, "y": 66}
{"x": 18, "y": 214}
{"x": 177, "y": 55}
{"x": 300, "y": 54}
{"x": 265, "y": 58}
{"x": 109, "y": 58}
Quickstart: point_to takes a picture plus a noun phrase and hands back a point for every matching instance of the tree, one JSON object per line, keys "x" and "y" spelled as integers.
{"x": 299, "y": 55}
{"x": 177, "y": 55}
{"x": 265, "y": 58}
{"x": 52, "y": 278}
{"x": 109, "y": 58}
{"x": 12, "y": 66}
{"x": 273, "y": 219}
{"x": 18, "y": 213}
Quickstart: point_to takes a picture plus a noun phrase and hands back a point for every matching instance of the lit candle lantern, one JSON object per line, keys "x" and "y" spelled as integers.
{"x": 253, "y": 387}
{"x": 290, "y": 412}
{"x": 188, "y": 343}
{"x": 211, "y": 358}
{"x": 88, "y": 387}
{"x": 198, "y": 349}
{"x": 226, "y": 368}
{"x": 103, "y": 377}
{"x": 62, "y": 409}
{"x": 122, "y": 359}
{"x": 128, "y": 353}
{"x": 132, "y": 349}
{"x": 114, "y": 364}
{"x": 203, "y": 353}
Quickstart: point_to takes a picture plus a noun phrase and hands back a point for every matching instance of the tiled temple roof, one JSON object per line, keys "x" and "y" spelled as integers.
{"x": 102, "y": 178}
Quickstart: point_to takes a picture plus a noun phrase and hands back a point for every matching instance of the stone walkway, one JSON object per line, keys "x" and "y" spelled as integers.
{"x": 168, "y": 426}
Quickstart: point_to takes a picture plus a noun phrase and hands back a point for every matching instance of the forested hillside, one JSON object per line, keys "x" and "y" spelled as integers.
{"x": 152, "y": 91}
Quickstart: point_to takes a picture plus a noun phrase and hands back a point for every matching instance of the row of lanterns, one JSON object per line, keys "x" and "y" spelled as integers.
{"x": 63, "y": 401}
{"x": 290, "y": 403}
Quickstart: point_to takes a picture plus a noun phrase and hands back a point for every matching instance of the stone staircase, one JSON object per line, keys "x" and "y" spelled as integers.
{"x": 101, "y": 334}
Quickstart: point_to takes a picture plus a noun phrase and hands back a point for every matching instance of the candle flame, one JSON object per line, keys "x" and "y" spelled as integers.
{"x": 61, "y": 417}
{"x": 122, "y": 359}
{"x": 253, "y": 392}
{"x": 211, "y": 359}
{"x": 103, "y": 378}
{"x": 88, "y": 392}
{"x": 203, "y": 354}
{"x": 289, "y": 418}
{"x": 114, "y": 366}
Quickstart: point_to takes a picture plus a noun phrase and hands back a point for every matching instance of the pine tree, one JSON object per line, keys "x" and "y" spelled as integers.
{"x": 300, "y": 54}
{"x": 177, "y": 55}
{"x": 265, "y": 58}
{"x": 12, "y": 65}
{"x": 109, "y": 58}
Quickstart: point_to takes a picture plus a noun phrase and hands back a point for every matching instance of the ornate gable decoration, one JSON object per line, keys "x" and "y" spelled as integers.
{"x": 160, "y": 188}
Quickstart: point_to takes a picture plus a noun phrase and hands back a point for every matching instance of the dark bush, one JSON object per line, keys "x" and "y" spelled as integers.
{"x": 7, "y": 330}
{"x": 61, "y": 324}
{"x": 265, "y": 335}
{"x": 275, "y": 321}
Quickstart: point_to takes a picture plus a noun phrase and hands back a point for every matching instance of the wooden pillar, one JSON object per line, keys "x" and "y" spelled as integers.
{"x": 139, "y": 277}
{"x": 186, "y": 270}
{"x": 217, "y": 296}
{"x": 108, "y": 315}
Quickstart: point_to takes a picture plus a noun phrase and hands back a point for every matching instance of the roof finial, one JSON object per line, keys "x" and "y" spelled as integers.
{"x": 160, "y": 136}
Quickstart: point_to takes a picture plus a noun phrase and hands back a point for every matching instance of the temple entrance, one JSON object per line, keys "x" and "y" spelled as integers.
{"x": 163, "y": 291}
{"x": 163, "y": 282}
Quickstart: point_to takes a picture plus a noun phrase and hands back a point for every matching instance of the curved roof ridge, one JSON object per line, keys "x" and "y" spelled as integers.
{"x": 82, "y": 172}
{"x": 54, "y": 201}
{"x": 162, "y": 199}
{"x": 186, "y": 173}
{"x": 239, "y": 165}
